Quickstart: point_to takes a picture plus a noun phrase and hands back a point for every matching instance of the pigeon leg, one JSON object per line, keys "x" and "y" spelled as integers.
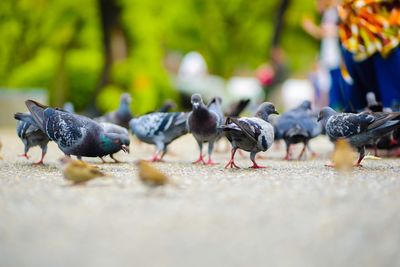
{"x": 287, "y": 157}
{"x": 102, "y": 159}
{"x": 376, "y": 150}
{"x": 115, "y": 160}
{"x": 210, "y": 150}
{"x": 79, "y": 157}
{"x": 362, "y": 155}
{"x": 25, "y": 155}
{"x": 231, "y": 163}
{"x": 44, "y": 151}
{"x": 155, "y": 157}
{"x": 200, "y": 159}
{"x": 302, "y": 151}
{"x": 163, "y": 153}
{"x": 255, "y": 165}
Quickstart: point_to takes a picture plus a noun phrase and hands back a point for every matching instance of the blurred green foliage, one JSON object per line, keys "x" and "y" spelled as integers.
{"x": 57, "y": 45}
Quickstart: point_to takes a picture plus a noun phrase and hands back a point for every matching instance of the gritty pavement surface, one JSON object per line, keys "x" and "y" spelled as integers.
{"x": 296, "y": 213}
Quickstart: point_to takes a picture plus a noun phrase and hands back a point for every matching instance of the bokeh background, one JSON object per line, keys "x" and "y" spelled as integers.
{"x": 89, "y": 52}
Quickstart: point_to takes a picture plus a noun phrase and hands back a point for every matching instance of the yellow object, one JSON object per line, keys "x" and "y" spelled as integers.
{"x": 369, "y": 26}
{"x": 372, "y": 157}
{"x": 344, "y": 156}
{"x": 152, "y": 177}
{"x": 79, "y": 172}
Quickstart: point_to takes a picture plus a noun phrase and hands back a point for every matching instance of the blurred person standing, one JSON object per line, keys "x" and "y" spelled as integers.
{"x": 330, "y": 55}
{"x": 369, "y": 31}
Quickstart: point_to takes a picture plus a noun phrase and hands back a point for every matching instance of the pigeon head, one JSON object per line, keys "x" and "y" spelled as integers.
{"x": 113, "y": 142}
{"x": 265, "y": 109}
{"x": 305, "y": 105}
{"x": 325, "y": 114}
{"x": 125, "y": 98}
{"x": 196, "y": 101}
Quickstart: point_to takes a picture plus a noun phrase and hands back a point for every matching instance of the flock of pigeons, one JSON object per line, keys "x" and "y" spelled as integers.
{"x": 81, "y": 136}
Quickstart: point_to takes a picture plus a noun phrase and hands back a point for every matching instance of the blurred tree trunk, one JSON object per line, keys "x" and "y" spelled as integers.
{"x": 279, "y": 23}
{"x": 115, "y": 43}
{"x": 59, "y": 92}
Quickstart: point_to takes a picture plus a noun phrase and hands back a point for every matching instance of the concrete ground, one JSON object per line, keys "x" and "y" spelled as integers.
{"x": 296, "y": 213}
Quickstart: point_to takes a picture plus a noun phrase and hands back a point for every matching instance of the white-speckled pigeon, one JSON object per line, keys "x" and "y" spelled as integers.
{"x": 358, "y": 129}
{"x": 204, "y": 123}
{"x": 122, "y": 116}
{"x": 30, "y": 134}
{"x": 252, "y": 134}
{"x": 75, "y": 134}
{"x": 159, "y": 129}
{"x": 298, "y": 125}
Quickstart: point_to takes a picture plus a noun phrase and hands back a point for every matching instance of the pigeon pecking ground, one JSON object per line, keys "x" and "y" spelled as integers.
{"x": 294, "y": 213}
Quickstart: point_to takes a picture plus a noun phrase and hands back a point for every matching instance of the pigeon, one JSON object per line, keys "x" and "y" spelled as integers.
{"x": 80, "y": 172}
{"x": 358, "y": 129}
{"x": 372, "y": 104}
{"x": 387, "y": 141}
{"x": 31, "y": 135}
{"x": 122, "y": 116}
{"x": 152, "y": 177}
{"x": 204, "y": 122}
{"x": 75, "y": 134}
{"x": 159, "y": 129}
{"x": 297, "y": 125}
{"x": 252, "y": 134}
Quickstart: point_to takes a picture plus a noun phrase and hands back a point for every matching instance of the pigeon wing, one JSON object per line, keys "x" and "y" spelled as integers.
{"x": 251, "y": 132}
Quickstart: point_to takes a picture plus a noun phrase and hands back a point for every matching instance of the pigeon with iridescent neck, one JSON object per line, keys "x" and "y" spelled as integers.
{"x": 204, "y": 122}
{"x": 75, "y": 134}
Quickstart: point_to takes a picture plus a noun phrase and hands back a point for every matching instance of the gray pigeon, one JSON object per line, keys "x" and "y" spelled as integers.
{"x": 159, "y": 129}
{"x": 30, "y": 134}
{"x": 358, "y": 129}
{"x": 297, "y": 125}
{"x": 253, "y": 134}
{"x": 122, "y": 116}
{"x": 75, "y": 134}
{"x": 204, "y": 123}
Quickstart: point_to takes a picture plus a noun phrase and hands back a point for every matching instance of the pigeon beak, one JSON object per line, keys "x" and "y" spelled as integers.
{"x": 125, "y": 148}
{"x": 275, "y": 112}
{"x": 196, "y": 104}
{"x": 319, "y": 118}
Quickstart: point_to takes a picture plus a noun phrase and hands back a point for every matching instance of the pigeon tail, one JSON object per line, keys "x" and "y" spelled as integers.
{"x": 37, "y": 111}
{"x": 238, "y": 108}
